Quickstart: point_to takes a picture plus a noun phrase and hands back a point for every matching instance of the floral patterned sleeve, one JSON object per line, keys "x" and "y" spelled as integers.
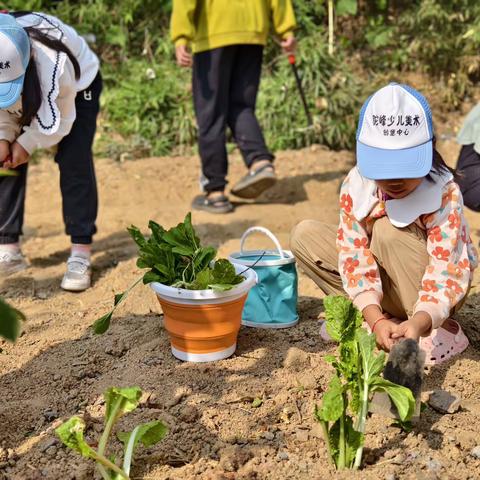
{"x": 357, "y": 267}
{"x": 452, "y": 258}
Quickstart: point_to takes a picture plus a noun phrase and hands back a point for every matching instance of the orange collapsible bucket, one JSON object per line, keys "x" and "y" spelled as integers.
{"x": 203, "y": 325}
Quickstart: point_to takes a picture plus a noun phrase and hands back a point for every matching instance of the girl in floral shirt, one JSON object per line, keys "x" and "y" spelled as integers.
{"x": 404, "y": 253}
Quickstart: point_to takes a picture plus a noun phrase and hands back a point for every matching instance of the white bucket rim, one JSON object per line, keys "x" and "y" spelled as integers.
{"x": 236, "y": 257}
{"x": 176, "y": 295}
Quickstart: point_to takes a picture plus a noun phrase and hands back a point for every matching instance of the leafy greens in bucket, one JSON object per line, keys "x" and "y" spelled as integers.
{"x": 176, "y": 258}
{"x": 358, "y": 370}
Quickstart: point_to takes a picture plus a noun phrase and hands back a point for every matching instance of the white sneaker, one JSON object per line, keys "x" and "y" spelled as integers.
{"x": 78, "y": 276}
{"x": 11, "y": 263}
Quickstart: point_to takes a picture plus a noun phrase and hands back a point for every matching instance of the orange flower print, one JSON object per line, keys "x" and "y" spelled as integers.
{"x": 441, "y": 253}
{"x": 454, "y": 219}
{"x": 371, "y": 276}
{"x": 456, "y": 270}
{"x": 348, "y": 221}
{"x": 435, "y": 234}
{"x": 450, "y": 294}
{"x": 430, "y": 269}
{"x": 428, "y": 298}
{"x": 464, "y": 264}
{"x": 369, "y": 257}
{"x": 464, "y": 234}
{"x": 340, "y": 236}
{"x": 361, "y": 242}
{"x": 354, "y": 280}
{"x": 454, "y": 286}
{"x": 429, "y": 286}
{"x": 350, "y": 265}
{"x": 346, "y": 202}
{"x": 450, "y": 196}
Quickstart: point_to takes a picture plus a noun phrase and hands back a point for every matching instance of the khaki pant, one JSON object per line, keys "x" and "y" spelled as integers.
{"x": 401, "y": 254}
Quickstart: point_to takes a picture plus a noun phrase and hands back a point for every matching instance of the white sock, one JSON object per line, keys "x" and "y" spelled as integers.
{"x": 80, "y": 250}
{"x": 12, "y": 248}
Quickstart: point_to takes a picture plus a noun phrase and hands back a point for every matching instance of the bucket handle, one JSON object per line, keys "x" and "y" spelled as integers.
{"x": 266, "y": 232}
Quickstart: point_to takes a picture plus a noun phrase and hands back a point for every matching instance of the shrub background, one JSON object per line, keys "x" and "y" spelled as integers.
{"x": 147, "y": 108}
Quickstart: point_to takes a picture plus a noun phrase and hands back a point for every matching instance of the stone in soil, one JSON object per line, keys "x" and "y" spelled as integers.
{"x": 445, "y": 402}
{"x": 475, "y": 452}
{"x": 296, "y": 359}
{"x": 232, "y": 458}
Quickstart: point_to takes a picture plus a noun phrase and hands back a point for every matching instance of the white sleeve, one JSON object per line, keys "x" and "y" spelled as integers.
{"x": 9, "y": 126}
{"x": 32, "y": 138}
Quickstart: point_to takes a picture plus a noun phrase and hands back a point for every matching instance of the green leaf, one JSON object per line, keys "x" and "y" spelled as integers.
{"x": 183, "y": 238}
{"x": 102, "y": 324}
{"x": 150, "y": 277}
{"x": 333, "y": 405}
{"x": 137, "y": 236}
{"x": 372, "y": 364}
{"x": 4, "y": 172}
{"x": 148, "y": 434}
{"x": 346, "y": 7}
{"x": 354, "y": 441}
{"x": 121, "y": 400}
{"x": 10, "y": 321}
{"x": 157, "y": 231}
{"x": 71, "y": 434}
{"x": 401, "y": 396}
{"x": 257, "y": 402}
{"x": 224, "y": 273}
{"x": 342, "y": 318}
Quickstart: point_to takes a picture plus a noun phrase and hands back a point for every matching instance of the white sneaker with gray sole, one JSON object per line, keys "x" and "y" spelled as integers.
{"x": 11, "y": 263}
{"x": 78, "y": 276}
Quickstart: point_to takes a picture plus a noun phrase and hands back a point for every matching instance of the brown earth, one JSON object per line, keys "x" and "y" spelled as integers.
{"x": 59, "y": 368}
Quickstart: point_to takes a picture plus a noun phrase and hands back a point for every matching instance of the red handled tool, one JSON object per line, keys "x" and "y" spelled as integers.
{"x": 291, "y": 59}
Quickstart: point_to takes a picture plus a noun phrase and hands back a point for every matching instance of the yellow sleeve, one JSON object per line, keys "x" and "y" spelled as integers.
{"x": 283, "y": 15}
{"x": 182, "y": 28}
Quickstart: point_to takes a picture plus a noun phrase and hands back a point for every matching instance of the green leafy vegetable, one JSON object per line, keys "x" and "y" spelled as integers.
{"x": 175, "y": 258}
{"x": 118, "y": 402}
{"x": 358, "y": 376}
{"x": 8, "y": 173}
{"x": 10, "y": 321}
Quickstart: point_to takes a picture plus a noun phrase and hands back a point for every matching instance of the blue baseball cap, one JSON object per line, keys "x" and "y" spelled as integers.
{"x": 14, "y": 58}
{"x": 395, "y": 134}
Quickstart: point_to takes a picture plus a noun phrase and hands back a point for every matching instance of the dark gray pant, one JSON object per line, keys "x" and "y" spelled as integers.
{"x": 468, "y": 170}
{"x": 225, "y": 86}
{"x": 77, "y": 177}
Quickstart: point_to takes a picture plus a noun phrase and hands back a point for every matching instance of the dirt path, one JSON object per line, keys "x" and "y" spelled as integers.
{"x": 58, "y": 368}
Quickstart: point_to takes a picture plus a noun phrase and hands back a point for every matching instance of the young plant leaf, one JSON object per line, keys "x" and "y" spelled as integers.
{"x": 71, "y": 434}
{"x": 342, "y": 318}
{"x": 10, "y": 321}
{"x": 121, "y": 400}
{"x": 401, "y": 396}
{"x": 333, "y": 404}
{"x": 148, "y": 434}
{"x": 102, "y": 324}
{"x": 257, "y": 402}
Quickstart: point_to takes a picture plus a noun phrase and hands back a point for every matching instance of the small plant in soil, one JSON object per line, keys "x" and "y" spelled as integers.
{"x": 358, "y": 375}
{"x": 10, "y": 321}
{"x": 176, "y": 258}
{"x": 119, "y": 401}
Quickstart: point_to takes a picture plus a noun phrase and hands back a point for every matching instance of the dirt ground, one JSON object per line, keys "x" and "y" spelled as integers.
{"x": 59, "y": 368}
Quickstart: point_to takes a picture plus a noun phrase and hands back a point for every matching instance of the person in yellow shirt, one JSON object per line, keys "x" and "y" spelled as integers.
{"x": 227, "y": 38}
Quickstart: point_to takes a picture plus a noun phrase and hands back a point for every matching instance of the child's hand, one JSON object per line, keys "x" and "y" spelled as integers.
{"x": 383, "y": 332}
{"x": 289, "y": 45}
{"x": 19, "y": 156}
{"x": 184, "y": 57}
{"x": 4, "y": 151}
{"x": 417, "y": 326}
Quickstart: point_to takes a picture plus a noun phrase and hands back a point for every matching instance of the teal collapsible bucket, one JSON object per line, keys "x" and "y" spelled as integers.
{"x": 272, "y": 303}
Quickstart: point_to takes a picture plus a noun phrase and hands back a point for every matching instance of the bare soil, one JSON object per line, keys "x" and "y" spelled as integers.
{"x": 58, "y": 368}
